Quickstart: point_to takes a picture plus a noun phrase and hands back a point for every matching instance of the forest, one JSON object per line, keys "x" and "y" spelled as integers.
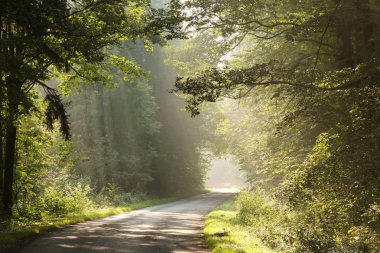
{"x": 105, "y": 103}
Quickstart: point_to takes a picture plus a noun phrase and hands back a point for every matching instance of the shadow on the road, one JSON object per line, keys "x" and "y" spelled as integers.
{"x": 174, "y": 227}
{"x": 134, "y": 238}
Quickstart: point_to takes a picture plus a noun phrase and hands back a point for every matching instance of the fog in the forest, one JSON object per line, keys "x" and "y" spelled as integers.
{"x": 106, "y": 103}
{"x": 224, "y": 173}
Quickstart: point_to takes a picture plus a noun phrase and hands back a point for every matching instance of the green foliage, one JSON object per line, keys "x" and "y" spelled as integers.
{"x": 128, "y": 198}
{"x": 225, "y": 234}
{"x": 307, "y": 123}
{"x": 254, "y": 209}
{"x": 112, "y": 195}
{"x": 111, "y": 158}
{"x": 267, "y": 219}
{"x": 60, "y": 201}
{"x": 45, "y": 40}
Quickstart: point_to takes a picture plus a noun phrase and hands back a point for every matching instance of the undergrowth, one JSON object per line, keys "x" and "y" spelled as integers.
{"x": 225, "y": 232}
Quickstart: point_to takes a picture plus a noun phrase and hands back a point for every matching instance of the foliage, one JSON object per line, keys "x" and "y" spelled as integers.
{"x": 124, "y": 135}
{"x": 42, "y": 40}
{"x": 254, "y": 209}
{"x": 62, "y": 201}
{"x": 306, "y": 124}
{"x": 224, "y": 233}
{"x": 268, "y": 220}
{"x": 53, "y": 48}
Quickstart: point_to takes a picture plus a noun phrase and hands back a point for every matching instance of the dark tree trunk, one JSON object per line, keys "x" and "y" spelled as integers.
{"x": 346, "y": 55}
{"x": 344, "y": 32}
{"x": 12, "y": 89}
{"x": 1, "y": 152}
{"x": 10, "y": 150}
{"x": 1, "y": 118}
{"x": 13, "y": 97}
{"x": 364, "y": 29}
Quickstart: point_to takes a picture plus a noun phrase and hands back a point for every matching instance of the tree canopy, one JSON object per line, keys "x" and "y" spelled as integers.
{"x": 311, "y": 45}
{"x": 294, "y": 92}
{"x": 41, "y": 38}
{"x": 305, "y": 127}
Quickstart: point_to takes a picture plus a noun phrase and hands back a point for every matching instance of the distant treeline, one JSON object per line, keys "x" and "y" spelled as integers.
{"x": 135, "y": 136}
{"x": 128, "y": 139}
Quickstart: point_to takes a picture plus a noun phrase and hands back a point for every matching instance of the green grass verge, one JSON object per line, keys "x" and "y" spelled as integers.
{"x": 224, "y": 234}
{"x": 11, "y": 235}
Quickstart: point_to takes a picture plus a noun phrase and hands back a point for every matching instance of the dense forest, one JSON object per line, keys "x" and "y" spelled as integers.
{"x": 92, "y": 96}
{"x": 124, "y": 136}
{"x": 297, "y": 83}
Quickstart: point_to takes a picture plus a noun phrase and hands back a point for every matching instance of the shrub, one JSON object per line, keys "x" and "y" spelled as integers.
{"x": 112, "y": 196}
{"x": 255, "y": 209}
{"x": 128, "y": 198}
{"x": 269, "y": 219}
{"x": 28, "y": 213}
{"x": 62, "y": 200}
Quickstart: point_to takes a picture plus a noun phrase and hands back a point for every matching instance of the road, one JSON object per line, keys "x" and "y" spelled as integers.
{"x": 173, "y": 227}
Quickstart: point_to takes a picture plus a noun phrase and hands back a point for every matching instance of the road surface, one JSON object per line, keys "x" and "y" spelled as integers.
{"x": 173, "y": 227}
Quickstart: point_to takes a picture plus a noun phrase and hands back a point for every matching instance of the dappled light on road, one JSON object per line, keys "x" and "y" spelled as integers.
{"x": 173, "y": 227}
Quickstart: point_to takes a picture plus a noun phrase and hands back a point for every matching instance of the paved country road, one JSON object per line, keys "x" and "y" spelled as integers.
{"x": 173, "y": 227}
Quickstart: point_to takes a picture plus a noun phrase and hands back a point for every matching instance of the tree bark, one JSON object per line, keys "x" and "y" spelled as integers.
{"x": 1, "y": 150}
{"x": 10, "y": 150}
{"x": 13, "y": 97}
{"x": 1, "y": 110}
{"x": 344, "y": 30}
{"x": 364, "y": 29}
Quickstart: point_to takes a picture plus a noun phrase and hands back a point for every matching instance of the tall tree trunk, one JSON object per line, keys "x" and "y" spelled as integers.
{"x": 364, "y": 30}
{"x": 13, "y": 96}
{"x": 87, "y": 116}
{"x": 2, "y": 97}
{"x": 10, "y": 150}
{"x": 103, "y": 137}
{"x": 344, "y": 32}
{"x": 1, "y": 148}
{"x": 90, "y": 134}
{"x": 101, "y": 113}
{"x": 13, "y": 89}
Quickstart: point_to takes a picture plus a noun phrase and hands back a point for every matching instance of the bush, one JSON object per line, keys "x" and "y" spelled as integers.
{"x": 59, "y": 200}
{"x": 128, "y": 198}
{"x": 28, "y": 213}
{"x": 266, "y": 219}
{"x": 112, "y": 196}
{"x": 315, "y": 228}
{"x": 255, "y": 209}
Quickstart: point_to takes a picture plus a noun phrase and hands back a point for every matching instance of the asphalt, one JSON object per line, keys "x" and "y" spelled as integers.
{"x": 174, "y": 227}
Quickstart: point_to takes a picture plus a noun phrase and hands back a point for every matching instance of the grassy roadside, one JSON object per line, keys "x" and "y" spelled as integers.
{"x": 225, "y": 235}
{"x": 10, "y": 235}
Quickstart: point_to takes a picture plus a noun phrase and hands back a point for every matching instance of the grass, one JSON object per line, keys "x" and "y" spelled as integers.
{"x": 224, "y": 234}
{"x": 12, "y": 234}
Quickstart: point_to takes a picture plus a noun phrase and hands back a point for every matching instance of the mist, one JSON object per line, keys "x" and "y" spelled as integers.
{"x": 224, "y": 173}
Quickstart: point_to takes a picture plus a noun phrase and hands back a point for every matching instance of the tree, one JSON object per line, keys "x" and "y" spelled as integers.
{"x": 320, "y": 48}
{"x": 315, "y": 67}
{"x": 113, "y": 130}
{"x": 179, "y": 166}
{"x": 40, "y": 37}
